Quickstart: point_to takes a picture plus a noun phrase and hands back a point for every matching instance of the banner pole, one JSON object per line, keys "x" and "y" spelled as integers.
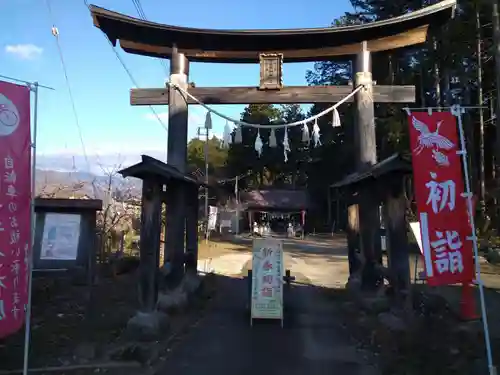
{"x": 25, "y": 82}
{"x": 457, "y": 111}
{"x": 27, "y": 329}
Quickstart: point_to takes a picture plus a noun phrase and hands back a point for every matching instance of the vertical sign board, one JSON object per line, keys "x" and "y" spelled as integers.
{"x": 267, "y": 279}
{"x": 439, "y": 188}
{"x": 15, "y": 205}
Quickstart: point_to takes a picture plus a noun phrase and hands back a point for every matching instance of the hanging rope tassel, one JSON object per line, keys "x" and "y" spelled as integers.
{"x": 286, "y": 145}
{"x": 238, "y": 137}
{"x": 258, "y": 144}
{"x": 336, "y": 119}
{"x": 316, "y": 135}
{"x": 226, "y": 137}
{"x": 305, "y": 134}
{"x": 272, "y": 139}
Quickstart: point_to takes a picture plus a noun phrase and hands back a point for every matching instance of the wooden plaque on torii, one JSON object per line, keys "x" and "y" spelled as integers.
{"x": 271, "y": 71}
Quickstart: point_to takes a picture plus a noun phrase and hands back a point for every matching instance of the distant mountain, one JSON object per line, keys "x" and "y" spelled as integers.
{"x": 66, "y": 175}
{"x": 94, "y": 164}
{"x": 67, "y": 184}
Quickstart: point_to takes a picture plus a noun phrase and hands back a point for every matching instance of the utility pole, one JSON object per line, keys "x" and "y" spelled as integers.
{"x": 492, "y": 120}
{"x": 496, "y": 43}
{"x": 480, "y": 99}
{"x": 237, "y": 229}
{"x": 207, "y": 127}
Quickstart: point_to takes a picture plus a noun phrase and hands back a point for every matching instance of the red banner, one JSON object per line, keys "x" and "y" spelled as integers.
{"x": 15, "y": 199}
{"x": 439, "y": 185}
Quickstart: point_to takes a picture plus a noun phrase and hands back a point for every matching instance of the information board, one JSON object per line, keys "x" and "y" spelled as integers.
{"x": 61, "y": 234}
{"x": 267, "y": 279}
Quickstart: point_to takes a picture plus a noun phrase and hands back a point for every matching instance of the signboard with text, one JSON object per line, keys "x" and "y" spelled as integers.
{"x": 15, "y": 205}
{"x": 267, "y": 279}
{"x": 61, "y": 234}
{"x": 442, "y": 208}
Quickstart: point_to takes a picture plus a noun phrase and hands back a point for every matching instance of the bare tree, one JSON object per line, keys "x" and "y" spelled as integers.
{"x": 119, "y": 210}
{"x": 73, "y": 190}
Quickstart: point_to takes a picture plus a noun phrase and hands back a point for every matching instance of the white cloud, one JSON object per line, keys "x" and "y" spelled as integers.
{"x": 24, "y": 51}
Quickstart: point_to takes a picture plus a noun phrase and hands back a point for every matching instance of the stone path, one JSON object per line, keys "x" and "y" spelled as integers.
{"x": 322, "y": 263}
{"x": 311, "y": 342}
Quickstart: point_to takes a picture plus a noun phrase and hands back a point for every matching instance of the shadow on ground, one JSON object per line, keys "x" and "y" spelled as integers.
{"x": 312, "y": 341}
{"x": 325, "y": 331}
{"x": 335, "y": 246}
{"x": 73, "y": 334}
{"x": 429, "y": 339}
{"x": 328, "y": 331}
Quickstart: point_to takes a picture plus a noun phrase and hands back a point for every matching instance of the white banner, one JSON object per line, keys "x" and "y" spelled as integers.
{"x": 212, "y": 217}
{"x": 415, "y": 229}
{"x": 267, "y": 279}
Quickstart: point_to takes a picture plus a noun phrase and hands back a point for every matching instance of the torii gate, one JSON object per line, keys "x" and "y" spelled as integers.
{"x": 270, "y": 48}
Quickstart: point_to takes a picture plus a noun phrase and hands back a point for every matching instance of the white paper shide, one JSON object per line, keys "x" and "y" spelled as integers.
{"x": 61, "y": 234}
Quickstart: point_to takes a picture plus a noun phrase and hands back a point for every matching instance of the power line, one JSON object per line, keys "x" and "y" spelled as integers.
{"x": 134, "y": 82}
{"x": 138, "y": 7}
{"x": 55, "y": 33}
{"x": 223, "y": 181}
{"x": 198, "y": 173}
{"x": 142, "y": 14}
{"x": 132, "y": 79}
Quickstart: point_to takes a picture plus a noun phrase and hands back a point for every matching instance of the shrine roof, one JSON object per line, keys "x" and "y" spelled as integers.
{"x": 310, "y": 44}
{"x": 396, "y": 163}
{"x": 275, "y": 200}
{"x": 153, "y": 168}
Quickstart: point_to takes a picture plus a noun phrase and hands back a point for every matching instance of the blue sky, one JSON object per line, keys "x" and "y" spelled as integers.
{"x": 101, "y": 86}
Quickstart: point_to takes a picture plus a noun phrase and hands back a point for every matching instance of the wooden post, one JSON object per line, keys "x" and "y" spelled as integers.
{"x": 149, "y": 245}
{"x": 329, "y": 204}
{"x": 366, "y": 156}
{"x": 338, "y": 199}
{"x": 192, "y": 229}
{"x": 352, "y": 237}
{"x": 178, "y": 112}
{"x": 174, "y": 231}
{"x": 250, "y": 221}
{"x": 397, "y": 235}
{"x": 364, "y": 130}
{"x": 177, "y": 157}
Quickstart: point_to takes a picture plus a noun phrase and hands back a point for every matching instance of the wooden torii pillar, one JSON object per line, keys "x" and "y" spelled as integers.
{"x": 366, "y": 156}
{"x": 177, "y": 205}
{"x": 271, "y": 48}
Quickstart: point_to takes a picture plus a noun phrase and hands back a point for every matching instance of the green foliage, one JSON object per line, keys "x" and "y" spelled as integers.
{"x": 270, "y": 168}
{"x": 444, "y": 71}
{"x": 131, "y": 240}
{"x": 217, "y": 156}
